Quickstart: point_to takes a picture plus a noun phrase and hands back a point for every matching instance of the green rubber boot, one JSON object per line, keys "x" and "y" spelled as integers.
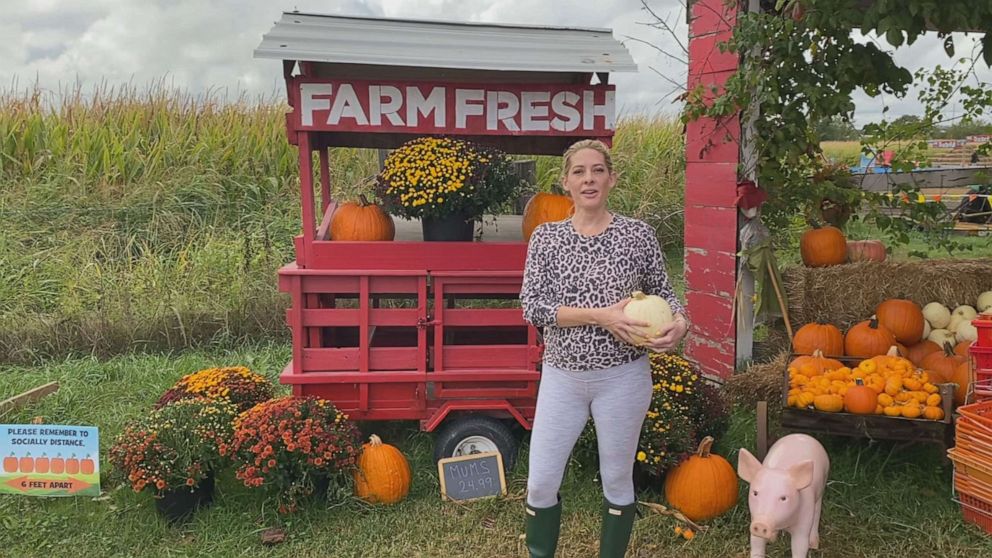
{"x": 618, "y": 522}
{"x": 543, "y": 526}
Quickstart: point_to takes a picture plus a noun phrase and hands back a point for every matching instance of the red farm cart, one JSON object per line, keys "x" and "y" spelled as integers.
{"x": 413, "y": 330}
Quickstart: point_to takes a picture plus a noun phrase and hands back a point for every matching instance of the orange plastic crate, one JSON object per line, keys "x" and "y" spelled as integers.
{"x": 981, "y": 413}
{"x": 971, "y": 464}
{"x": 975, "y": 510}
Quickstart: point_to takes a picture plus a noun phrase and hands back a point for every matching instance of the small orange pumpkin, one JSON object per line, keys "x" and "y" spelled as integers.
{"x": 823, "y": 247}
{"x": 962, "y": 348}
{"x": 58, "y": 465}
{"x": 10, "y": 464}
{"x": 916, "y": 353}
{"x": 815, "y": 336}
{"x": 26, "y": 464}
{"x": 942, "y": 364}
{"x": 703, "y": 486}
{"x": 962, "y": 377}
{"x": 860, "y": 399}
{"x": 362, "y": 221}
{"x": 382, "y": 474}
{"x": 867, "y": 339}
{"x": 904, "y": 318}
{"x": 87, "y": 466}
{"x": 72, "y": 465}
{"x": 817, "y": 361}
{"x": 543, "y": 208}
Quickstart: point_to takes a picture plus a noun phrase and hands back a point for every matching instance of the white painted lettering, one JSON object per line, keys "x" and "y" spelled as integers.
{"x": 534, "y": 111}
{"x": 468, "y": 102}
{"x": 347, "y": 105}
{"x": 309, "y": 103}
{"x": 417, "y": 105}
{"x": 385, "y": 100}
{"x": 563, "y": 105}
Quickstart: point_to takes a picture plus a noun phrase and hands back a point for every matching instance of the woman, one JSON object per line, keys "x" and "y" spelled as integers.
{"x": 579, "y": 275}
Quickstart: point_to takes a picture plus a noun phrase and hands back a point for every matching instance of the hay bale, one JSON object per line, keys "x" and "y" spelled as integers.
{"x": 760, "y": 382}
{"x": 846, "y": 294}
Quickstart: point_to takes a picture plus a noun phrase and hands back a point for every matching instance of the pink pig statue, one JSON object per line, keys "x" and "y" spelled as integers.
{"x": 786, "y": 492}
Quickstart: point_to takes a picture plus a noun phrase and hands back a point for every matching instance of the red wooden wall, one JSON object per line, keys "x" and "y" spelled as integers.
{"x": 712, "y": 154}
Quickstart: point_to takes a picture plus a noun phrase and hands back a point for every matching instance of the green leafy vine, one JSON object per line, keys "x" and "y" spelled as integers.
{"x": 800, "y": 65}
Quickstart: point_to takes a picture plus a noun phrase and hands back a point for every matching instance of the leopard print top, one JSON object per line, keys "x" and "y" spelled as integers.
{"x": 565, "y": 268}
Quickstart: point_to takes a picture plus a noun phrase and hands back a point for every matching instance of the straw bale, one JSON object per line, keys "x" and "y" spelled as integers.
{"x": 760, "y": 382}
{"x": 846, "y": 294}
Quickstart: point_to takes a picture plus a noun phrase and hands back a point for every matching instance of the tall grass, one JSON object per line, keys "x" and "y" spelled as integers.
{"x": 155, "y": 219}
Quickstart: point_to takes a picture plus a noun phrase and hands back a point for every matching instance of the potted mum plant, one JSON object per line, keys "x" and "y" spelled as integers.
{"x": 293, "y": 446}
{"x": 446, "y": 183}
{"x": 236, "y": 384}
{"x": 173, "y": 453}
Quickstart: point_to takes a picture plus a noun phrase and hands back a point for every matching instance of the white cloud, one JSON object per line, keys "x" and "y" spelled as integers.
{"x": 207, "y": 46}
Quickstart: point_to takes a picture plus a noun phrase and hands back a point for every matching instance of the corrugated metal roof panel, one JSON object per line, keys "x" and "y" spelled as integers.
{"x": 437, "y": 44}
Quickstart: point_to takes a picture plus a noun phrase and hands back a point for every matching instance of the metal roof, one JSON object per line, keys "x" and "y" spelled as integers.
{"x": 439, "y": 44}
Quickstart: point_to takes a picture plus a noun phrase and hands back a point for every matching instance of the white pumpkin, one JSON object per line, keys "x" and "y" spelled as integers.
{"x": 651, "y": 309}
{"x": 966, "y": 332}
{"x": 937, "y": 314}
{"x": 965, "y": 311}
{"x": 956, "y": 320}
{"x": 926, "y": 329}
{"x": 984, "y": 303}
{"x": 941, "y": 337}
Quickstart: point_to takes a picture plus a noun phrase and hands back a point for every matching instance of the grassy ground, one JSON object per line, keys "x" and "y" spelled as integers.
{"x": 883, "y": 498}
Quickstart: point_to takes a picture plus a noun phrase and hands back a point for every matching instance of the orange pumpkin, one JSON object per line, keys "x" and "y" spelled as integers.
{"x": 382, "y": 474}
{"x": 362, "y": 221}
{"x": 42, "y": 465}
{"x": 942, "y": 364}
{"x": 58, "y": 465}
{"x": 823, "y": 337}
{"x": 892, "y": 358}
{"x": 87, "y": 466}
{"x": 860, "y": 399}
{"x": 816, "y": 361}
{"x": 703, "y": 486}
{"x": 916, "y": 353}
{"x": 72, "y": 466}
{"x": 544, "y": 208}
{"x": 963, "y": 378}
{"x": 10, "y": 464}
{"x": 823, "y": 247}
{"x": 865, "y": 251}
{"x": 26, "y": 464}
{"x": 904, "y": 318}
{"x": 962, "y": 348}
{"x": 867, "y": 339}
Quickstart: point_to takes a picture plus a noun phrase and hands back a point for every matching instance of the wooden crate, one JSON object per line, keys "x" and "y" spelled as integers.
{"x": 874, "y": 427}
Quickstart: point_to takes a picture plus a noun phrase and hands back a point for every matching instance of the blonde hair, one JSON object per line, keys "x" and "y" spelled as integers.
{"x": 595, "y": 145}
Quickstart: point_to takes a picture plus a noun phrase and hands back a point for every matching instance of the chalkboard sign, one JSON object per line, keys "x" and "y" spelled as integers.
{"x": 470, "y": 477}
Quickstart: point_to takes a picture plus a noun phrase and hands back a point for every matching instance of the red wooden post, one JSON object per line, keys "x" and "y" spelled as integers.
{"x": 325, "y": 181}
{"x": 712, "y": 155}
{"x": 306, "y": 198}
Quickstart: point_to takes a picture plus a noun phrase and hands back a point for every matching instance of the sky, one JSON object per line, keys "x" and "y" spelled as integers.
{"x": 205, "y": 47}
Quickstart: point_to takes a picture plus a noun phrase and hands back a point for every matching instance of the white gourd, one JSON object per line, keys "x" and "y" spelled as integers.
{"x": 937, "y": 314}
{"x": 965, "y": 311}
{"x": 966, "y": 332}
{"x": 651, "y": 309}
{"x": 984, "y": 302}
{"x": 941, "y": 337}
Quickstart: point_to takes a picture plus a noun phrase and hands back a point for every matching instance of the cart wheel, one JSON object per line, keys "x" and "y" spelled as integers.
{"x": 476, "y": 434}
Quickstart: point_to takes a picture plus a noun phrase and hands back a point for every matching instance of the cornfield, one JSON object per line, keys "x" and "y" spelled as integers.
{"x": 155, "y": 219}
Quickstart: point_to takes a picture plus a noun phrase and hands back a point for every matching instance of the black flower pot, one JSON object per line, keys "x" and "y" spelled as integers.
{"x": 450, "y": 228}
{"x": 177, "y": 505}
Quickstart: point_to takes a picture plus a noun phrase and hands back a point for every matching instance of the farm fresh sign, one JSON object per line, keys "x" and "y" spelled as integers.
{"x": 464, "y": 109}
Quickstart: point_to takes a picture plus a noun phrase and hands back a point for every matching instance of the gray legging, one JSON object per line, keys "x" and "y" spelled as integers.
{"x": 618, "y": 399}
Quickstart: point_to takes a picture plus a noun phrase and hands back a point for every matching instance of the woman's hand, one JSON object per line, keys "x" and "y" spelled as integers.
{"x": 669, "y": 336}
{"x": 622, "y": 327}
